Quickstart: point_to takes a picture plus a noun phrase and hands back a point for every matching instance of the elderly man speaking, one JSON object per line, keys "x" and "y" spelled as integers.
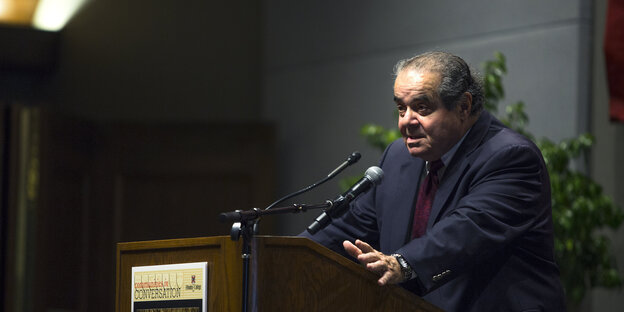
{"x": 463, "y": 216}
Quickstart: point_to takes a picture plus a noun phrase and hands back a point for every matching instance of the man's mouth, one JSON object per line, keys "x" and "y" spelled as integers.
{"x": 414, "y": 137}
{"x": 412, "y": 140}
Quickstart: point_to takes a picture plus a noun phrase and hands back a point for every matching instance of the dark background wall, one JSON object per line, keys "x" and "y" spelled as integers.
{"x": 162, "y": 60}
{"x": 140, "y": 120}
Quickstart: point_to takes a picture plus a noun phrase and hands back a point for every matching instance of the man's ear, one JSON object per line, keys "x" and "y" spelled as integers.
{"x": 465, "y": 105}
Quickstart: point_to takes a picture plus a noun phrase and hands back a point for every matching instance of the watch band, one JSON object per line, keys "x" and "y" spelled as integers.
{"x": 406, "y": 269}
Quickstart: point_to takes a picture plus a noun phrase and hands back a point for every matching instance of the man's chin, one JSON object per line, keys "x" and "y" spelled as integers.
{"x": 416, "y": 151}
{"x": 419, "y": 152}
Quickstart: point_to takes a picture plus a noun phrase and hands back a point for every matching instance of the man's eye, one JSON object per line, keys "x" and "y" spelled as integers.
{"x": 423, "y": 110}
{"x": 401, "y": 110}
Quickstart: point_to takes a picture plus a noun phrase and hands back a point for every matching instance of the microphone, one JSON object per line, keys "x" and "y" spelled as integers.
{"x": 352, "y": 159}
{"x": 372, "y": 176}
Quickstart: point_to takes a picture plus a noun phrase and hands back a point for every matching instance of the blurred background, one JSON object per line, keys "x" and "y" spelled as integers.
{"x": 141, "y": 120}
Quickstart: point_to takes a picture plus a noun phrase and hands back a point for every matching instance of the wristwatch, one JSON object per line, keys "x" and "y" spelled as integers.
{"x": 406, "y": 269}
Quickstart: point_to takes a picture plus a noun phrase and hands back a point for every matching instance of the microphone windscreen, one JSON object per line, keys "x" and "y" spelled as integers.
{"x": 354, "y": 157}
{"x": 375, "y": 174}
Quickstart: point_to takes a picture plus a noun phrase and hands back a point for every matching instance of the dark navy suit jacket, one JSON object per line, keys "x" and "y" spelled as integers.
{"x": 489, "y": 240}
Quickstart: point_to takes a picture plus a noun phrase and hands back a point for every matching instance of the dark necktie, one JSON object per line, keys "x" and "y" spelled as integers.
{"x": 424, "y": 202}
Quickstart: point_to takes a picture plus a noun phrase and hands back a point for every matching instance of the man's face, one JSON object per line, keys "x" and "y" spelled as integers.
{"x": 428, "y": 128}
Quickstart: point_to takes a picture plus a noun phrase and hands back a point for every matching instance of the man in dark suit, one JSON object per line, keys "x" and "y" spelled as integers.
{"x": 463, "y": 215}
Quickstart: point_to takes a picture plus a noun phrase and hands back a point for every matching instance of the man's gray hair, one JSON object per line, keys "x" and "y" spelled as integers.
{"x": 455, "y": 77}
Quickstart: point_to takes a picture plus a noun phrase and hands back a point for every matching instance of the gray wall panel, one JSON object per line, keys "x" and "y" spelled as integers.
{"x": 312, "y": 31}
{"x": 607, "y": 159}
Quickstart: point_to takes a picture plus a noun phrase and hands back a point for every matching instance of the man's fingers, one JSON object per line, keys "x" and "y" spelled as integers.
{"x": 377, "y": 266}
{"x": 389, "y": 277}
{"x": 365, "y": 247}
{"x": 351, "y": 249}
{"x": 375, "y": 261}
{"x": 383, "y": 280}
{"x": 369, "y": 257}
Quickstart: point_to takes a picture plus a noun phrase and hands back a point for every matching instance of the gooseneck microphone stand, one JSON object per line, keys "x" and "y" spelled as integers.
{"x": 244, "y": 225}
{"x": 246, "y": 222}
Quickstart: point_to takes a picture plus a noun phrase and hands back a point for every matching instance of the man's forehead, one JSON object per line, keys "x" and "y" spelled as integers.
{"x": 415, "y": 83}
{"x": 412, "y": 75}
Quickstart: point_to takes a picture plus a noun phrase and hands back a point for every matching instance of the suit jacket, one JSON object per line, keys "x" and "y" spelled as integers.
{"x": 489, "y": 240}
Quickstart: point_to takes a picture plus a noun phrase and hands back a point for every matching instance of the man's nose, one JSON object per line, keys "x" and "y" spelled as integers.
{"x": 411, "y": 117}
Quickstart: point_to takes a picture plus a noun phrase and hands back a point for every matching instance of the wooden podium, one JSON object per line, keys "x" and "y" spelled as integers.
{"x": 287, "y": 274}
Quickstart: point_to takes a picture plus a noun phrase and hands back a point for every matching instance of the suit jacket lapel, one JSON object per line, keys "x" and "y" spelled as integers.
{"x": 402, "y": 206}
{"x": 458, "y": 165}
